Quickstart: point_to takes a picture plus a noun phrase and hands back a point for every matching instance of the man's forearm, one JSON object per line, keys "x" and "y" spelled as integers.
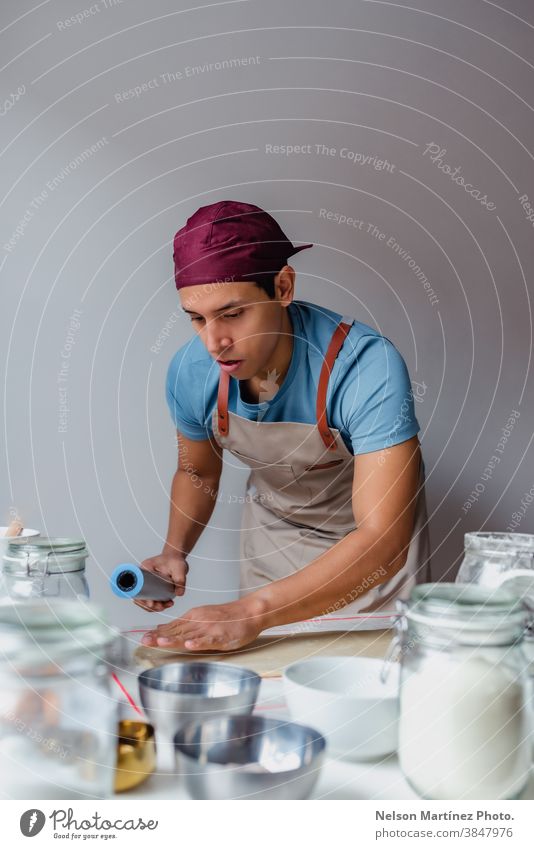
{"x": 342, "y": 574}
{"x": 192, "y": 501}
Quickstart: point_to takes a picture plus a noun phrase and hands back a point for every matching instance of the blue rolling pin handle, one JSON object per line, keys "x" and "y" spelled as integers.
{"x": 130, "y": 581}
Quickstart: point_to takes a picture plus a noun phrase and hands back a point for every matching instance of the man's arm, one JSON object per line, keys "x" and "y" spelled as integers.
{"x": 383, "y": 499}
{"x": 193, "y": 493}
{"x": 384, "y": 495}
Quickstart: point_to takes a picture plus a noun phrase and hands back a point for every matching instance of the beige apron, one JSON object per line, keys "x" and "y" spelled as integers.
{"x": 299, "y": 496}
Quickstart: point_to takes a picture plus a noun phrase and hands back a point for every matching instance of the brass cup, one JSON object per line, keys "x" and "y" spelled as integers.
{"x": 136, "y": 754}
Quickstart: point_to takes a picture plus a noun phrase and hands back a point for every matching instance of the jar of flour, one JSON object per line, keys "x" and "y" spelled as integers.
{"x": 465, "y": 717}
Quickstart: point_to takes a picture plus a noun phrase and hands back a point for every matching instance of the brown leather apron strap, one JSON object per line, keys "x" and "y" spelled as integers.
{"x": 222, "y": 402}
{"x": 336, "y": 342}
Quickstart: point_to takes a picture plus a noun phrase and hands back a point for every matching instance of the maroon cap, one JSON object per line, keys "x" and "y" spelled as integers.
{"x": 229, "y": 241}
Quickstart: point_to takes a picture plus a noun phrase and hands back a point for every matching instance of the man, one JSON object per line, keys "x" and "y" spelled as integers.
{"x": 320, "y": 406}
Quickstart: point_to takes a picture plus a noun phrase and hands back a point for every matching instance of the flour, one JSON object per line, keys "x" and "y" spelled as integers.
{"x": 463, "y": 731}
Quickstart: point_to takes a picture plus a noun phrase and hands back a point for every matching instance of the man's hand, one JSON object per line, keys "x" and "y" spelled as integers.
{"x": 173, "y": 567}
{"x": 213, "y": 627}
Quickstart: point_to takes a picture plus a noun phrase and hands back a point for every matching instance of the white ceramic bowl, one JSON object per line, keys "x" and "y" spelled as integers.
{"x": 345, "y": 700}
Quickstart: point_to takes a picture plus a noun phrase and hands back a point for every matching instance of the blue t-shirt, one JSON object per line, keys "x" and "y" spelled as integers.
{"x": 369, "y": 398}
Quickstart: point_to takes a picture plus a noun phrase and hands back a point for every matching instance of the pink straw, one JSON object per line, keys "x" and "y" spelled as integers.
{"x": 126, "y": 693}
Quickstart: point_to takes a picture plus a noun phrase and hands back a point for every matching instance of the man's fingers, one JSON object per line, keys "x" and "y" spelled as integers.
{"x": 147, "y": 603}
{"x": 195, "y": 645}
{"x": 202, "y": 642}
{"x": 195, "y": 640}
{"x": 176, "y": 626}
{"x": 153, "y": 606}
{"x": 150, "y": 639}
{"x": 192, "y": 640}
{"x": 172, "y": 640}
{"x": 174, "y": 634}
{"x": 174, "y": 572}
{"x": 177, "y": 576}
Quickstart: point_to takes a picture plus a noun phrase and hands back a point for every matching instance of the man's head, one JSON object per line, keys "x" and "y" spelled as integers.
{"x": 230, "y": 268}
{"x": 241, "y": 320}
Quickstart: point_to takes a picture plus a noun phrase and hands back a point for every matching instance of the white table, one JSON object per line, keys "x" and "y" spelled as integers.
{"x": 381, "y": 779}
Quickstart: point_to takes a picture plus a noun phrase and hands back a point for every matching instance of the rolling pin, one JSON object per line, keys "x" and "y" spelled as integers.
{"x": 130, "y": 581}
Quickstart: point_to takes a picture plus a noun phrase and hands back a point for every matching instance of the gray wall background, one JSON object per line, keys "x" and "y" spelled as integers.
{"x": 423, "y": 86}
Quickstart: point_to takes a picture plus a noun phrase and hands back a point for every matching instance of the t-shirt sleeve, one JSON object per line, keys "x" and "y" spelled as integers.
{"x": 376, "y": 398}
{"x": 179, "y": 391}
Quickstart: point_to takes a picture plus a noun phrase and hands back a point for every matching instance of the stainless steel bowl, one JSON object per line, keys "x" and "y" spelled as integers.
{"x": 177, "y": 693}
{"x": 249, "y": 757}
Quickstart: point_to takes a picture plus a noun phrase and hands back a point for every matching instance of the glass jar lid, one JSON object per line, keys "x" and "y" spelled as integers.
{"x": 497, "y": 542}
{"x": 45, "y": 554}
{"x": 468, "y": 609}
{"x": 51, "y": 631}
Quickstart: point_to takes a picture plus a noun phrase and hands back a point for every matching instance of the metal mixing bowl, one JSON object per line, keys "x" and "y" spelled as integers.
{"x": 249, "y": 757}
{"x": 177, "y": 693}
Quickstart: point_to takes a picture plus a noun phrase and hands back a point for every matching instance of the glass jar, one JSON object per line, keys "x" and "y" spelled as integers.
{"x": 465, "y": 716}
{"x": 51, "y": 567}
{"x": 493, "y": 559}
{"x": 58, "y": 714}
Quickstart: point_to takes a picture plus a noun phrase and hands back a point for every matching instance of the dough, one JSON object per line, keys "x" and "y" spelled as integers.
{"x": 268, "y": 656}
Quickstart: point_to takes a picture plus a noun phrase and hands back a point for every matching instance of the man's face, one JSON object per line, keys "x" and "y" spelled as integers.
{"x": 236, "y": 321}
